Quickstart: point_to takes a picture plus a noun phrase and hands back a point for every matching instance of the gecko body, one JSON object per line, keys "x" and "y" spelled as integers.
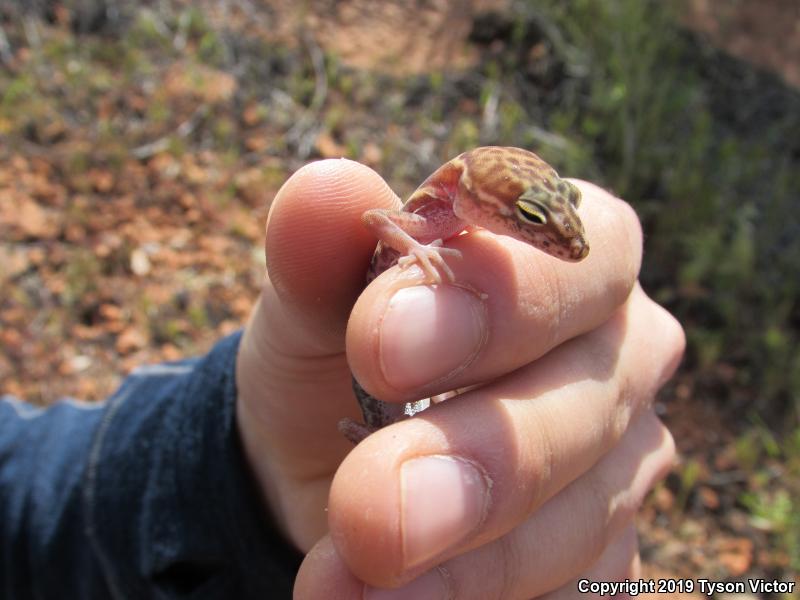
{"x": 508, "y": 191}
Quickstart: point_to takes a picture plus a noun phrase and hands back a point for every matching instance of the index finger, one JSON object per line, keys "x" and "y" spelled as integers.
{"x": 511, "y": 304}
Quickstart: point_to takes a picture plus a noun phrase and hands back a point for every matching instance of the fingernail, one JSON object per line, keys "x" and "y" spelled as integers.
{"x": 443, "y": 500}
{"x": 428, "y": 334}
{"x": 430, "y": 586}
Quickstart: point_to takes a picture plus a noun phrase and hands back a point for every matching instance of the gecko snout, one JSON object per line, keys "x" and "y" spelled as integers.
{"x": 579, "y": 249}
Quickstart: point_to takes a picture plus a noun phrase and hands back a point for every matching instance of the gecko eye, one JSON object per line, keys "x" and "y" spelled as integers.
{"x": 531, "y": 213}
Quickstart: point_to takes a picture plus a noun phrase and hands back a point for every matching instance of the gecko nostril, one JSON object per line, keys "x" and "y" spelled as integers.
{"x": 579, "y": 249}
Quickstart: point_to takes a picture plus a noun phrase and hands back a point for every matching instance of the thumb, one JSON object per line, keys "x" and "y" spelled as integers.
{"x": 318, "y": 250}
{"x": 292, "y": 376}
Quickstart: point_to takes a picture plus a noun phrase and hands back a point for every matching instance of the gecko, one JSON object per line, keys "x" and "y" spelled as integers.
{"x": 507, "y": 191}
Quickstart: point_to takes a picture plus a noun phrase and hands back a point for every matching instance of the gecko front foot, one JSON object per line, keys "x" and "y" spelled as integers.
{"x": 430, "y": 259}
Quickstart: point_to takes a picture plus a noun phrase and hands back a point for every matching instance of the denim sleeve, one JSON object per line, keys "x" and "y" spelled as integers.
{"x": 147, "y": 495}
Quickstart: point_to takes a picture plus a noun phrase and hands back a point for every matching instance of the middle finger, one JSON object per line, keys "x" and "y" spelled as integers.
{"x": 471, "y": 469}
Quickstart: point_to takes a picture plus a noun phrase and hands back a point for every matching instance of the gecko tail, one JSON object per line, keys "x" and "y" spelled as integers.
{"x": 377, "y": 414}
{"x": 353, "y": 430}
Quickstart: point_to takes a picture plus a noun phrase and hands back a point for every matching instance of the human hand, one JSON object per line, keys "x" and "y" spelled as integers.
{"x": 533, "y": 479}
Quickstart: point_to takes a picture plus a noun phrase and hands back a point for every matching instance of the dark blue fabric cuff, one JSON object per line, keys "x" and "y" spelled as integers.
{"x": 166, "y": 505}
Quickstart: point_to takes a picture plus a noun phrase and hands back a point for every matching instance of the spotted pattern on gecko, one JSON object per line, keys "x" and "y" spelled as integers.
{"x": 508, "y": 191}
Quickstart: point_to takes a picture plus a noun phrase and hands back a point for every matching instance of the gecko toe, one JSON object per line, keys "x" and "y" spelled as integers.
{"x": 431, "y": 260}
{"x": 451, "y": 252}
{"x": 448, "y": 272}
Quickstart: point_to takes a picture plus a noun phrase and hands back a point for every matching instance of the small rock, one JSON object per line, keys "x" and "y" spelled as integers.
{"x": 79, "y": 363}
{"x": 129, "y": 340}
{"x": 140, "y": 263}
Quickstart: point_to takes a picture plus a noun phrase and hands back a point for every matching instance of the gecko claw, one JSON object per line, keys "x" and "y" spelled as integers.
{"x": 430, "y": 259}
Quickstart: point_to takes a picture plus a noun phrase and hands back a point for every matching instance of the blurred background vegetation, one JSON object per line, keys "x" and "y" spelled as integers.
{"x": 141, "y": 144}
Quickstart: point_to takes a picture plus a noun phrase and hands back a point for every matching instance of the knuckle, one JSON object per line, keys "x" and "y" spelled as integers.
{"x": 541, "y": 463}
{"x": 596, "y": 517}
{"x": 509, "y": 558}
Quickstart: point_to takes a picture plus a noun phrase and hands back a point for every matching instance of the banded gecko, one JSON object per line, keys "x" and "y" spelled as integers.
{"x": 508, "y": 191}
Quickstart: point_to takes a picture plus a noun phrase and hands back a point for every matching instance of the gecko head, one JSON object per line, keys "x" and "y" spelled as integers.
{"x": 545, "y": 216}
{"x": 513, "y": 192}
